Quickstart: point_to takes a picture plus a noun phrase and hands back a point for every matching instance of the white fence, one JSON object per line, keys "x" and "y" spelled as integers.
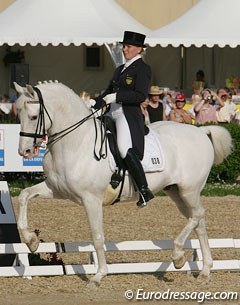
{"x": 23, "y": 269}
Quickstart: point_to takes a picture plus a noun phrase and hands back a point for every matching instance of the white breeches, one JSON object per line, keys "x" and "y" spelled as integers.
{"x": 124, "y": 140}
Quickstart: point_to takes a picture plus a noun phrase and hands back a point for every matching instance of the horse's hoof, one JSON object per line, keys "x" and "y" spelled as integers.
{"x": 203, "y": 278}
{"x": 179, "y": 262}
{"x": 92, "y": 285}
{"x": 33, "y": 243}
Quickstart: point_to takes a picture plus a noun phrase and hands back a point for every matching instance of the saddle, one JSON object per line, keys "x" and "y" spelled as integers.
{"x": 153, "y": 160}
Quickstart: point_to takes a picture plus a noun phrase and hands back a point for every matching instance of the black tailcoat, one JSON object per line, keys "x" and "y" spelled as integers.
{"x": 131, "y": 86}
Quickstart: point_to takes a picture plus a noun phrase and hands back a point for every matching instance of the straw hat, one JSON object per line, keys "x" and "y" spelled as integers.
{"x": 155, "y": 90}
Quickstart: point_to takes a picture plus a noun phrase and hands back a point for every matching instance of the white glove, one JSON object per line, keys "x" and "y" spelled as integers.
{"x": 110, "y": 98}
{"x": 89, "y": 102}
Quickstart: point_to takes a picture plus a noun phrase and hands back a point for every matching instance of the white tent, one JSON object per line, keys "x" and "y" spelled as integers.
{"x": 53, "y": 35}
{"x": 209, "y": 23}
{"x": 65, "y": 22}
{"x": 205, "y": 37}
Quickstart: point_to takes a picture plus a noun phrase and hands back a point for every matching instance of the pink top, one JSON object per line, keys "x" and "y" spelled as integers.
{"x": 206, "y": 114}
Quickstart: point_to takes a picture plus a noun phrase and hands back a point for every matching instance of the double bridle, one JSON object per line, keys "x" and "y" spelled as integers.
{"x": 40, "y": 132}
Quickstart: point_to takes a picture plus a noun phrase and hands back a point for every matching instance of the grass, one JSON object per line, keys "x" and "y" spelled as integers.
{"x": 217, "y": 190}
{"x": 213, "y": 189}
{"x": 221, "y": 189}
{"x": 16, "y": 187}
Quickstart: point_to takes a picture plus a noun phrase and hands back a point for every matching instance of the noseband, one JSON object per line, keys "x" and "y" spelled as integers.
{"x": 40, "y": 132}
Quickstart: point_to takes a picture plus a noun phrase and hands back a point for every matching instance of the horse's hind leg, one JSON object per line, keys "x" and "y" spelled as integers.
{"x": 206, "y": 252}
{"x": 40, "y": 189}
{"x": 178, "y": 254}
{"x": 190, "y": 206}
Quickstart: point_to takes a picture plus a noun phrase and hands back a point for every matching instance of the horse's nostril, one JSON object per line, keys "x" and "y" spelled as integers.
{"x": 28, "y": 151}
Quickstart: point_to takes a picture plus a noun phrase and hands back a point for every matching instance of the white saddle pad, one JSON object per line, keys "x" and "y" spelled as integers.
{"x": 153, "y": 160}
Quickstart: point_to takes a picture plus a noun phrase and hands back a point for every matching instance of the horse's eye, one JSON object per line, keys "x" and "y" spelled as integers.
{"x": 34, "y": 117}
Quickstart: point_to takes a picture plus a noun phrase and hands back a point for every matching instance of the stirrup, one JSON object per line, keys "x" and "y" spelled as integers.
{"x": 145, "y": 195}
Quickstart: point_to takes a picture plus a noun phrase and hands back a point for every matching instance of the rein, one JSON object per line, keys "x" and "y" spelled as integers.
{"x": 59, "y": 135}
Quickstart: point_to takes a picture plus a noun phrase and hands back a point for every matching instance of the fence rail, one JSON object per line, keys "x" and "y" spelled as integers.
{"x": 22, "y": 267}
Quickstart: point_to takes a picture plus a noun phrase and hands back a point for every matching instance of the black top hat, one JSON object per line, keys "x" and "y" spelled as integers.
{"x": 135, "y": 39}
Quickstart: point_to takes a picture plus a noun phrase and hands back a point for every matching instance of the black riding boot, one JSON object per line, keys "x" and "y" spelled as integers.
{"x": 135, "y": 169}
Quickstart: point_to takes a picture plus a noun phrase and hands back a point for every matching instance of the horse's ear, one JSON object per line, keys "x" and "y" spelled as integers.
{"x": 30, "y": 91}
{"x": 18, "y": 88}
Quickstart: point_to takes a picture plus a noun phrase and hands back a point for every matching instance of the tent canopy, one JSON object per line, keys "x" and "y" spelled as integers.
{"x": 65, "y": 22}
{"x": 209, "y": 22}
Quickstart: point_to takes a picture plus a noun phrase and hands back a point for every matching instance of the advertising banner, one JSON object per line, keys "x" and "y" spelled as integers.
{"x": 10, "y": 160}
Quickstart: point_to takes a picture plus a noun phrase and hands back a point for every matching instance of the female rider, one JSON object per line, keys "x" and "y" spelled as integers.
{"x": 127, "y": 89}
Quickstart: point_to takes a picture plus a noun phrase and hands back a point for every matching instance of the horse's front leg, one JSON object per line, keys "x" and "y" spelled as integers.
{"x": 94, "y": 211}
{"x": 42, "y": 190}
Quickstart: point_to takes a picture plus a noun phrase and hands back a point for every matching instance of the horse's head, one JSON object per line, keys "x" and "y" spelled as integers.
{"x": 34, "y": 123}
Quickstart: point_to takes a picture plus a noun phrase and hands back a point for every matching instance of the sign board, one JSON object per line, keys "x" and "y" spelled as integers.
{"x": 10, "y": 160}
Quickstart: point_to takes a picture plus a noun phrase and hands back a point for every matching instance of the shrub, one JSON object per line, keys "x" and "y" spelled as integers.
{"x": 229, "y": 170}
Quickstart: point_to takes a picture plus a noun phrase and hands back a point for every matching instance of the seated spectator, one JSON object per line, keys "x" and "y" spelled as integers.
{"x": 156, "y": 108}
{"x": 144, "y": 106}
{"x": 226, "y": 113}
{"x": 179, "y": 114}
{"x": 205, "y": 110}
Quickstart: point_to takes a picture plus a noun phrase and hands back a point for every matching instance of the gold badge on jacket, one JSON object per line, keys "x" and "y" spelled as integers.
{"x": 129, "y": 80}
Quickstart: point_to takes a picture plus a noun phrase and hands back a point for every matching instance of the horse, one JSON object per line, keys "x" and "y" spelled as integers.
{"x": 73, "y": 172}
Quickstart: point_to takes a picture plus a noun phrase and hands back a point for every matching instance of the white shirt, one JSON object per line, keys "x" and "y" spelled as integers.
{"x": 130, "y": 61}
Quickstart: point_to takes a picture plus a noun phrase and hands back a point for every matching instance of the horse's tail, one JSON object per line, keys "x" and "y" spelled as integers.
{"x": 221, "y": 141}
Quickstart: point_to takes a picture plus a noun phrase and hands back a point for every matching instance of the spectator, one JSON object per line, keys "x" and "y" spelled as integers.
{"x": 198, "y": 85}
{"x": 85, "y": 95}
{"x": 199, "y": 82}
{"x": 169, "y": 105}
{"x": 156, "y": 108}
{"x": 226, "y": 113}
{"x": 179, "y": 114}
{"x": 205, "y": 112}
{"x": 5, "y": 99}
{"x": 144, "y": 106}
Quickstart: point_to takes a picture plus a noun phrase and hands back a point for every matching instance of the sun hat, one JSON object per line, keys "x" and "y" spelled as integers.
{"x": 155, "y": 90}
{"x": 180, "y": 97}
{"x": 133, "y": 38}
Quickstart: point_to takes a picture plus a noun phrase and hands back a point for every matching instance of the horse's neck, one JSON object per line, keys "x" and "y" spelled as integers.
{"x": 65, "y": 112}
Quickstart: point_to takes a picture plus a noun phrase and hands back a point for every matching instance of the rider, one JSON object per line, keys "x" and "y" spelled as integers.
{"x": 127, "y": 89}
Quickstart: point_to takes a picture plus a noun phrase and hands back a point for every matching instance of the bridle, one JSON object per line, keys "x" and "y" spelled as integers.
{"x": 40, "y": 132}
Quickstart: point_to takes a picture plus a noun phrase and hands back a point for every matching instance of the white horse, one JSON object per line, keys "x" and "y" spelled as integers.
{"x": 73, "y": 172}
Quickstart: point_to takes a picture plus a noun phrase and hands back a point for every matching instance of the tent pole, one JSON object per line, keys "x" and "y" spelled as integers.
{"x": 213, "y": 66}
{"x": 115, "y": 50}
{"x": 182, "y": 54}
